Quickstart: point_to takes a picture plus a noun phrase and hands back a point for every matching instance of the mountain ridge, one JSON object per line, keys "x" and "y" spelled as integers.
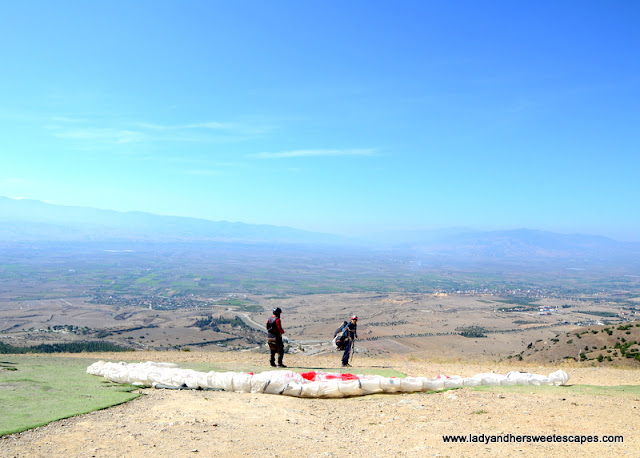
{"x": 33, "y": 220}
{"x": 67, "y": 223}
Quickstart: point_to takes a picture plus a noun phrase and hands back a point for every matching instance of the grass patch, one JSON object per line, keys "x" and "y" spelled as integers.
{"x": 585, "y": 390}
{"x": 36, "y": 390}
{"x": 597, "y": 313}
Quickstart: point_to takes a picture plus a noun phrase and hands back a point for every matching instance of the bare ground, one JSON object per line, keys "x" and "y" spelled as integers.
{"x": 186, "y": 423}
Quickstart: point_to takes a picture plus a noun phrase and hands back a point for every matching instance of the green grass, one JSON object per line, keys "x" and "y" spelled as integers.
{"x": 36, "y": 390}
{"x": 587, "y": 390}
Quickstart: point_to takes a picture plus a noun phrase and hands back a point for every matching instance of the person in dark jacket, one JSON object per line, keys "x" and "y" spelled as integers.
{"x": 274, "y": 337}
{"x": 352, "y": 334}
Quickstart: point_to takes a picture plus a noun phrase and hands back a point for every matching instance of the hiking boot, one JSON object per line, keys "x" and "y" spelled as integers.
{"x": 347, "y": 365}
{"x": 281, "y": 365}
{"x": 273, "y": 364}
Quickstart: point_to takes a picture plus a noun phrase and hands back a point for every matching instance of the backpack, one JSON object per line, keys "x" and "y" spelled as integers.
{"x": 272, "y": 327}
{"x": 340, "y": 336}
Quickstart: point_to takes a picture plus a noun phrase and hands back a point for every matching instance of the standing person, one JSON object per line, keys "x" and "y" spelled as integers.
{"x": 274, "y": 337}
{"x": 352, "y": 335}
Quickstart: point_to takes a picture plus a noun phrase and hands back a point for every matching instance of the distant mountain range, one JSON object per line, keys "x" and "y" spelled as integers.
{"x": 33, "y": 220}
{"x": 23, "y": 220}
{"x": 520, "y": 244}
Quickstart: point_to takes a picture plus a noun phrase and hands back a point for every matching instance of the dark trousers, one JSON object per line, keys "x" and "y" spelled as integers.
{"x": 276, "y": 346}
{"x": 347, "y": 352}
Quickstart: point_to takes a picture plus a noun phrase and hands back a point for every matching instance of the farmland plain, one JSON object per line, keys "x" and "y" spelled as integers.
{"x": 216, "y": 297}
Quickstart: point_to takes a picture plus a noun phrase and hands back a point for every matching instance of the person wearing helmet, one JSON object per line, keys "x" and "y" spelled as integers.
{"x": 274, "y": 337}
{"x": 352, "y": 334}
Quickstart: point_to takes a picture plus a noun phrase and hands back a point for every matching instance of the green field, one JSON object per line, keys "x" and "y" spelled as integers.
{"x": 36, "y": 390}
{"x": 587, "y": 390}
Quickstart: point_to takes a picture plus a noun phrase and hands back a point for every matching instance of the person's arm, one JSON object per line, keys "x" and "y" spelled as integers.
{"x": 279, "y": 324}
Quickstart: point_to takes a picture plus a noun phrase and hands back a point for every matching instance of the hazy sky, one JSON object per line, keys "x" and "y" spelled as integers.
{"x": 334, "y": 116}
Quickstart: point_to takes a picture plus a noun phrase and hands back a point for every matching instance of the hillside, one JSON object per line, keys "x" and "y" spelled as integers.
{"x": 611, "y": 345}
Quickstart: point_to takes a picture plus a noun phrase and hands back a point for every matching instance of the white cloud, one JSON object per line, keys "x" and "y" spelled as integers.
{"x": 102, "y": 134}
{"x": 210, "y": 125}
{"x": 151, "y": 126}
{"x": 315, "y": 153}
{"x": 225, "y": 128}
{"x": 198, "y": 125}
{"x": 93, "y": 134}
{"x": 203, "y": 173}
{"x": 66, "y": 119}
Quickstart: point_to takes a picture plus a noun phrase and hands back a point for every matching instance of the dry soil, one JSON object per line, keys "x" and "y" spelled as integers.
{"x": 190, "y": 423}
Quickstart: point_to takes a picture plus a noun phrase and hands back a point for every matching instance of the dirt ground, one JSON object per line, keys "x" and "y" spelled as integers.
{"x": 188, "y": 423}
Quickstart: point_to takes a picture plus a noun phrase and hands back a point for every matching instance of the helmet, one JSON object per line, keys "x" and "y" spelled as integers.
{"x": 277, "y": 311}
{"x": 354, "y": 317}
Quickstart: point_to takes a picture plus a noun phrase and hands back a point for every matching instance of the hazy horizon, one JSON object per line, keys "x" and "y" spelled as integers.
{"x": 383, "y": 235}
{"x": 338, "y": 118}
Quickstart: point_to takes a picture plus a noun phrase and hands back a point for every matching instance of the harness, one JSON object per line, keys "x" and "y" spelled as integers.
{"x": 272, "y": 327}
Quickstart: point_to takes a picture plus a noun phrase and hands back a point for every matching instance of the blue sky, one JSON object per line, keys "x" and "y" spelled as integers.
{"x": 341, "y": 117}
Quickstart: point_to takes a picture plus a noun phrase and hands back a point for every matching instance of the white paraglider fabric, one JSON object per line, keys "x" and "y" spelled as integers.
{"x": 312, "y": 384}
